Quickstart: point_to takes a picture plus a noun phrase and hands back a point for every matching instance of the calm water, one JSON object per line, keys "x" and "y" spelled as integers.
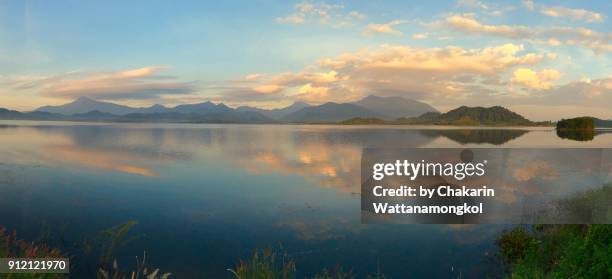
{"x": 206, "y": 196}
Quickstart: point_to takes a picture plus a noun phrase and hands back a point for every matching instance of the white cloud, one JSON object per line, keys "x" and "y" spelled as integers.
{"x": 472, "y": 4}
{"x": 529, "y": 4}
{"x": 322, "y": 13}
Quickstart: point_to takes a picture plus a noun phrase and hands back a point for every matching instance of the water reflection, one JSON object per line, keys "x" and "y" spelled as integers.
{"x": 207, "y": 195}
{"x": 477, "y": 136}
{"x": 325, "y": 155}
{"x": 581, "y": 135}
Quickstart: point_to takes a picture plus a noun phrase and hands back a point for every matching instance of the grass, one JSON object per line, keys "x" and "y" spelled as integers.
{"x": 12, "y": 247}
{"x": 110, "y": 240}
{"x": 558, "y": 251}
{"x": 267, "y": 264}
{"x": 564, "y": 251}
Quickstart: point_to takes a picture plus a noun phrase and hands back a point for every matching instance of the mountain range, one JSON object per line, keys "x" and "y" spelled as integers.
{"x": 369, "y": 110}
{"x": 86, "y": 109}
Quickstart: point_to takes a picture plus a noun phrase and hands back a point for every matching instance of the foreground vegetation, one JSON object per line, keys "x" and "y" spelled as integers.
{"x": 108, "y": 268}
{"x": 558, "y": 251}
{"x": 564, "y": 251}
{"x": 267, "y": 264}
{"x": 12, "y": 247}
{"x": 535, "y": 251}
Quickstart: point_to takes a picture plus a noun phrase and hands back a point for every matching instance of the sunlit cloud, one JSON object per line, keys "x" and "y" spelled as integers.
{"x": 385, "y": 28}
{"x": 574, "y": 14}
{"x": 579, "y": 36}
{"x": 140, "y": 83}
{"x": 470, "y": 25}
{"x": 535, "y": 80}
{"x": 419, "y": 36}
{"x": 564, "y": 12}
{"x": 585, "y": 92}
{"x": 431, "y": 74}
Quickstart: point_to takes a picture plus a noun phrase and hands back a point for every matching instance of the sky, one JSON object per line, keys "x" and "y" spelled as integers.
{"x": 543, "y": 59}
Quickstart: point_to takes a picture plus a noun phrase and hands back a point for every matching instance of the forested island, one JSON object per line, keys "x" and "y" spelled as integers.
{"x": 461, "y": 116}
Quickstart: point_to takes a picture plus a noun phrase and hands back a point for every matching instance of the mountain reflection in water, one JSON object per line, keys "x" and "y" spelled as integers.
{"x": 207, "y": 195}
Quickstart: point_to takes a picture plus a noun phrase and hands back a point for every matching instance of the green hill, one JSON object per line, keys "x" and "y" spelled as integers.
{"x": 471, "y": 116}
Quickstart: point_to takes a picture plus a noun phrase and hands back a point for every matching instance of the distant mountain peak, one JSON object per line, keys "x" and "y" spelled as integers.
{"x": 85, "y": 104}
{"x": 278, "y": 113}
{"x": 329, "y": 112}
{"x": 370, "y": 97}
{"x": 394, "y": 107}
{"x": 84, "y": 99}
{"x": 299, "y": 104}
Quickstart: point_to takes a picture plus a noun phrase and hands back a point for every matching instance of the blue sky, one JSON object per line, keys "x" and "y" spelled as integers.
{"x": 546, "y": 59}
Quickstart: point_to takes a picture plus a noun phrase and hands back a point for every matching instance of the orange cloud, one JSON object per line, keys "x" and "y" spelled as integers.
{"x": 140, "y": 83}
{"x": 267, "y": 88}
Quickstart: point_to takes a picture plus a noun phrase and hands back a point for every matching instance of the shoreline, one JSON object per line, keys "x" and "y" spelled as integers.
{"x": 424, "y": 126}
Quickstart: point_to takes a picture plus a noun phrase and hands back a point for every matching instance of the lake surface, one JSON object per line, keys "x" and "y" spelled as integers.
{"x": 206, "y": 196}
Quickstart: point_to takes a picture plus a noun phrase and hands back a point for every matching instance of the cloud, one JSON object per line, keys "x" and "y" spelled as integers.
{"x": 471, "y": 25}
{"x": 320, "y": 12}
{"x": 574, "y": 14}
{"x": 443, "y": 77}
{"x": 386, "y": 28}
{"x": 535, "y": 80}
{"x": 253, "y": 77}
{"x": 472, "y": 4}
{"x": 419, "y": 36}
{"x": 292, "y": 19}
{"x": 141, "y": 83}
{"x": 449, "y": 60}
{"x": 267, "y": 88}
{"x": 597, "y": 41}
{"x": 529, "y": 4}
{"x": 558, "y": 11}
{"x": 585, "y": 92}
{"x": 435, "y": 74}
{"x": 275, "y": 87}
